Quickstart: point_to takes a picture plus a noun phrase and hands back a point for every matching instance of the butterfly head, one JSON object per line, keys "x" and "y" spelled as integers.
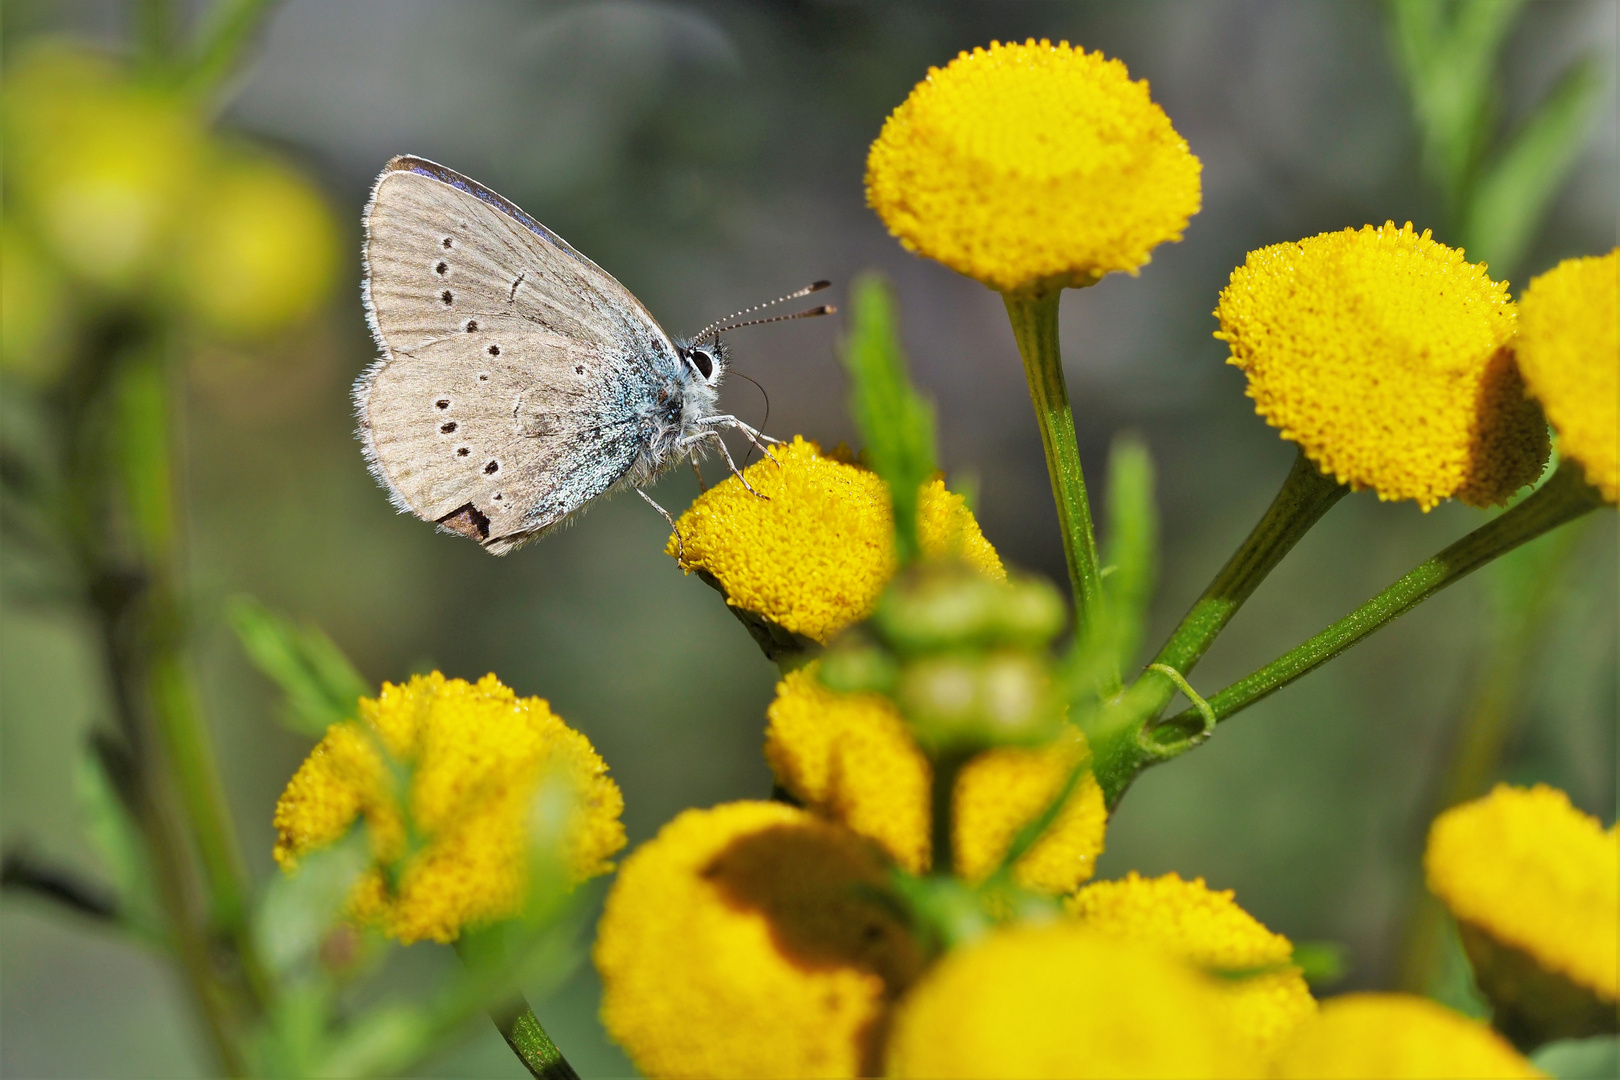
{"x": 704, "y": 361}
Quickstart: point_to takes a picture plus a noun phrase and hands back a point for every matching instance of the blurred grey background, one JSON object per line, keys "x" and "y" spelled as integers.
{"x": 710, "y": 155}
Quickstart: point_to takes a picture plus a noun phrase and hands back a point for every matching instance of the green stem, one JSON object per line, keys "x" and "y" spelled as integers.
{"x": 1306, "y": 494}
{"x": 146, "y": 436}
{"x": 529, "y": 1041}
{"x": 946, "y": 768}
{"x": 1034, "y": 320}
{"x": 1563, "y": 498}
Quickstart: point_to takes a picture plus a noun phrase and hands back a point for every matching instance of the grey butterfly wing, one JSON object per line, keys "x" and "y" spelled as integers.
{"x": 515, "y": 371}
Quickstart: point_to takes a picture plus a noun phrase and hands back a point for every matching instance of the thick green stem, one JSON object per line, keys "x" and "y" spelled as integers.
{"x": 1305, "y": 496}
{"x": 1563, "y": 498}
{"x": 1035, "y": 326}
{"x": 529, "y": 1041}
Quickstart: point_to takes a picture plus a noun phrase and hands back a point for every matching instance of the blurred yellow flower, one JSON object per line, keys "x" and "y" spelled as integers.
{"x": 814, "y": 554}
{"x": 260, "y": 250}
{"x": 1569, "y": 351}
{"x": 1032, "y": 166}
{"x": 738, "y": 942}
{"x": 1396, "y": 1037}
{"x": 1057, "y": 1000}
{"x": 1529, "y": 877}
{"x": 452, "y": 850}
{"x": 1385, "y": 356}
{"x": 104, "y": 167}
{"x": 1206, "y": 928}
{"x": 850, "y": 757}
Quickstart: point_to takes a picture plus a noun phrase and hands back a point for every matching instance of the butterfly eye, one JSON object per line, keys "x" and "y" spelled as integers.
{"x": 701, "y": 360}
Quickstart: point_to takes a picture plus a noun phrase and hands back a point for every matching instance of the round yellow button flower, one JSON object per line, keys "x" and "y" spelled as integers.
{"x": 851, "y": 758}
{"x": 474, "y": 755}
{"x": 1058, "y": 1000}
{"x": 1535, "y": 887}
{"x": 1032, "y": 166}
{"x": 814, "y": 554}
{"x": 1569, "y": 351}
{"x": 739, "y": 942}
{"x": 1396, "y": 1037}
{"x": 1384, "y": 355}
{"x": 1207, "y": 929}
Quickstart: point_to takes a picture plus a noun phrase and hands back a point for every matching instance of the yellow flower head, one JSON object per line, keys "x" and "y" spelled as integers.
{"x": 850, "y": 757}
{"x": 1396, "y": 1037}
{"x": 1384, "y": 355}
{"x": 814, "y": 554}
{"x": 1033, "y": 165}
{"x": 1206, "y": 928}
{"x": 475, "y": 754}
{"x": 739, "y": 942}
{"x": 1569, "y": 351}
{"x": 1058, "y": 1000}
{"x": 1531, "y": 872}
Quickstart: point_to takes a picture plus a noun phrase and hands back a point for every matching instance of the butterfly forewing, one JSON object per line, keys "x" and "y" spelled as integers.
{"x": 500, "y": 404}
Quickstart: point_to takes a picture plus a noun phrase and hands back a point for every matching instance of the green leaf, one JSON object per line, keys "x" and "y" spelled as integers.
{"x": 116, "y": 837}
{"x": 1131, "y": 554}
{"x": 894, "y": 420}
{"x": 1580, "y": 1059}
{"x": 300, "y": 907}
{"x": 321, "y": 686}
{"x": 1447, "y": 52}
{"x": 1515, "y": 188}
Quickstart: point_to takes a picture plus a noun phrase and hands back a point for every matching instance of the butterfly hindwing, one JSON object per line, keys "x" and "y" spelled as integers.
{"x": 513, "y": 368}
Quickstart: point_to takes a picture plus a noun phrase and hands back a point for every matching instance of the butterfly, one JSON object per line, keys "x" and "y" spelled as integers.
{"x": 518, "y": 380}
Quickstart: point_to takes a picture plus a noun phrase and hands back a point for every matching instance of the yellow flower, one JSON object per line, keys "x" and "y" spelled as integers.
{"x": 1384, "y": 355}
{"x": 850, "y": 757}
{"x": 738, "y": 942}
{"x": 815, "y": 553}
{"x": 1058, "y": 1000}
{"x": 1032, "y": 165}
{"x": 1396, "y": 1037}
{"x": 1535, "y": 887}
{"x": 475, "y": 755}
{"x": 261, "y": 249}
{"x": 1569, "y": 351}
{"x": 1207, "y": 928}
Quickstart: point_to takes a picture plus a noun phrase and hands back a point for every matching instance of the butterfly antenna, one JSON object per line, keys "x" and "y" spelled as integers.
{"x": 823, "y": 309}
{"x": 719, "y": 326}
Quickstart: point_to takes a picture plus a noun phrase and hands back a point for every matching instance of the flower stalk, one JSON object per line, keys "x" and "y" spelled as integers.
{"x": 1306, "y": 494}
{"x": 1034, "y": 317}
{"x": 529, "y": 1041}
{"x": 1564, "y": 497}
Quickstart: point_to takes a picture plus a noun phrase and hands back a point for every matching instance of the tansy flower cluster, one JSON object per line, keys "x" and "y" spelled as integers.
{"x": 1032, "y": 166}
{"x": 1386, "y": 357}
{"x": 812, "y": 550}
{"x": 442, "y": 772}
{"x": 1569, "y": 350}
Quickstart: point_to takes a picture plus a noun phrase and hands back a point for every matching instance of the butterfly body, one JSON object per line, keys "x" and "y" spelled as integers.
{"x": 518, "y": 380}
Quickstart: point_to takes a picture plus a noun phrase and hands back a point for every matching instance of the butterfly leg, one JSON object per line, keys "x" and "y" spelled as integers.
{"x": 702, "y": 486}
{"x": 752, "y": 434}
{"x": 680, "y": 545}
{"x": 725, "y": 452}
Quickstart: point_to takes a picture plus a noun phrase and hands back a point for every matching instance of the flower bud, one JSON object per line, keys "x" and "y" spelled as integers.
{"x": 856, "y": 664}
{"x": 965, "y": 703}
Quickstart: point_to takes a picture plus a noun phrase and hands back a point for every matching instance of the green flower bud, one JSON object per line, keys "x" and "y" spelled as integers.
{"x": 937, "y": 606}
{"x": 1030, "y": 613}
{"x": 856, "y": 664}
{"x": 963, "y": 703}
